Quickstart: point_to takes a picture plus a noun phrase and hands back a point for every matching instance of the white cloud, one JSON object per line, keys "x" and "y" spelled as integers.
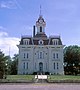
{"x": 3, "y": 34}
{"x": 8, "y": 44}
{"x": 9, "y": 4}
{"x": 2, "y": 28}
{"x": 4, "y": 5}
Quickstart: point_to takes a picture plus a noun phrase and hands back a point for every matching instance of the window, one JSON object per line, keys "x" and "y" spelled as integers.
{"x": 57, "y": 66}
{"x": 40, "y": 55}
{"x": 23, "y": 73}
{"x": 43, "y": 54}
{"x": 54, "y": 65}
{"x": 24, "y": 55}
{"x": 26, "y": 41}
{"x": 57, "y": 55}
{"x": 24, "y": 65}
{"x": 40, "y": 29}
{"x": 40, "y": 42}
{"x": 46, "y": 66}
{"x": 55, "y": 41}
{"x": 53, "y": 55}
{"x": 35, "y": 65}
{"x": 27, "y": 55}
{"x": 27, "y": 65}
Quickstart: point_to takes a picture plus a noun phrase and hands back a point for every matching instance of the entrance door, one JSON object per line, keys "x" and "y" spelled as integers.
{"x": 40, "y": 67}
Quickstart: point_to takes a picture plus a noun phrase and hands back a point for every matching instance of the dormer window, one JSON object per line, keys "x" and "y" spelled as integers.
{"x": 26, "y": 41}
{"x": 40, "y": 42}
{"x": 55, "y": 41}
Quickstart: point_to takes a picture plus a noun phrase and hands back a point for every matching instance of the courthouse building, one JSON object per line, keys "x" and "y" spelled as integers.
{"x": 39, "y": 53}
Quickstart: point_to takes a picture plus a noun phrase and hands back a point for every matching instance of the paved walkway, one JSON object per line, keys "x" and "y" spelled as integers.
{"x": 40, "y": 87}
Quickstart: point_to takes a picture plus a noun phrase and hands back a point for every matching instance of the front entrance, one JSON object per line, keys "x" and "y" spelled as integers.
{"x": 40, "y": 67}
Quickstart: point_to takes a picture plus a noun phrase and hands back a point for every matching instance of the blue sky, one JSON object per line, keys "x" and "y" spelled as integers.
{"x": 17, "y": 18}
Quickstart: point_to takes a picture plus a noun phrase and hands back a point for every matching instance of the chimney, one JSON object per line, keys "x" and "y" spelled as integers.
{"x": 34, "y": 31}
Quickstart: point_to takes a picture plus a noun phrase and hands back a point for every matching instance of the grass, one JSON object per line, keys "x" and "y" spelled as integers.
{"x": 20, "y": 77}
{"x": 63, "y": 77}
{"x": 52, "y": 77}
{"x": 29, "y": 78}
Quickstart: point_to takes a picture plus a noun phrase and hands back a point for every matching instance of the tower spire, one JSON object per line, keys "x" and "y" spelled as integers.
{"x": 40, "y": 11}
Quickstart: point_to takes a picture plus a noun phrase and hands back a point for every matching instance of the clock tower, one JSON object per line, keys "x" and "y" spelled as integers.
{"x": 40, "y": 24}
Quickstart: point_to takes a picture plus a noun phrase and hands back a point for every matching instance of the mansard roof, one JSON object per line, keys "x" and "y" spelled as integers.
{"x": 43, "y": 35}
{"x": 26, "y": 37}
{"x": 46, "y": 41}
{"x": 55, "y": 37}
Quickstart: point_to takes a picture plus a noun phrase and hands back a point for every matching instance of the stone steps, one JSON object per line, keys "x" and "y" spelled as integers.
{"x": 41, "y": 79}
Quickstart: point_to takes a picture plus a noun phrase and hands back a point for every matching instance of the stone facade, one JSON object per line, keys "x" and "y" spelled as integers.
{"x": 39, "y": 53}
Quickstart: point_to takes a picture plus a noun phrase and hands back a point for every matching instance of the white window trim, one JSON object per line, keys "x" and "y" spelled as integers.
{"x": 26, "y": 41}
{"x": 55, "y": 41}
{"x": 40, "y": 42}
{"x": 55, "y": 55}
{"x": 41, "y": 55}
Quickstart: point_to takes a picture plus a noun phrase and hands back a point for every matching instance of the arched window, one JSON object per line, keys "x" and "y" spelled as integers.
{"x": 40, "y": 29}
{"x": 40, "y": 42}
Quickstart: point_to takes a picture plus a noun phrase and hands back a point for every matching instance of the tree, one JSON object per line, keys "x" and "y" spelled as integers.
{"x": 72, "y": 59}
{"x": 9, "y": 62}
{"x": 14, "y": 65}
{"x": 3, "y": 65}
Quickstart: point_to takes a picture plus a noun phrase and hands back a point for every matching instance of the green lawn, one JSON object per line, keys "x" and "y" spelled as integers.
{"x": 63, "y": 77}
{"x": 20, "y": 77}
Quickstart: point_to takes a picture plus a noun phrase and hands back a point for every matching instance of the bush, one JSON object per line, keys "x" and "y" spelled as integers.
{"x": 34, "y": 73}
{"x": 46, "y": 73}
